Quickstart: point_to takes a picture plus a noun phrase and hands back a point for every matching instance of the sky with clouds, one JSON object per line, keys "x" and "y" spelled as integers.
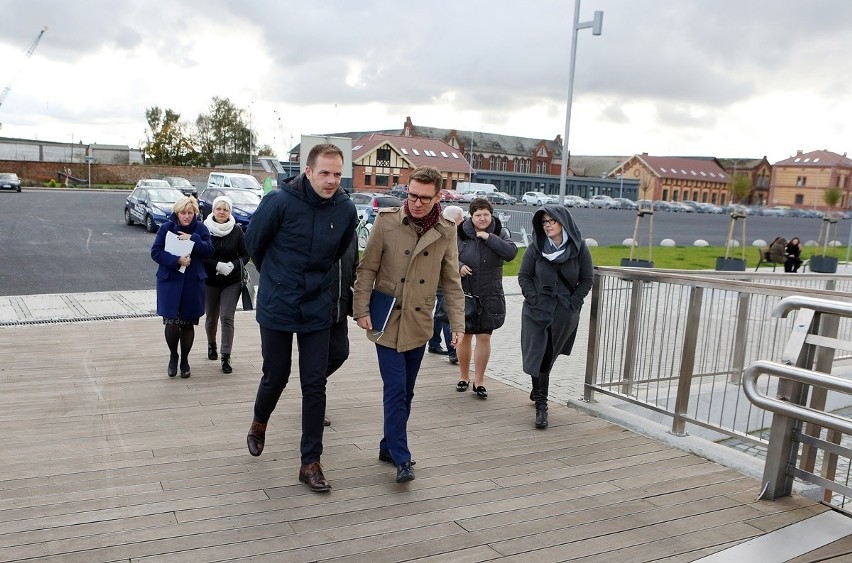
{"x": 724, "y": 78}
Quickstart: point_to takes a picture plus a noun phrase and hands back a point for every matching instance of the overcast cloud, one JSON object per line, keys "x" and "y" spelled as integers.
{"x": 710, "y": 77}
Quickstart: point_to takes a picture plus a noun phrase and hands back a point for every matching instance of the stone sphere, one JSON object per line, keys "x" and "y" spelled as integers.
{"x": 701, "y": 242}
{"x": 591, "y": 242}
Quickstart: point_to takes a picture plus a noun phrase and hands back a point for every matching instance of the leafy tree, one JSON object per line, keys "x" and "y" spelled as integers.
{"x": 832, "y": 196}
{"x": 222, "y": 134}
{"x": 740, "y": 187}
{"x": 265, "y": 150}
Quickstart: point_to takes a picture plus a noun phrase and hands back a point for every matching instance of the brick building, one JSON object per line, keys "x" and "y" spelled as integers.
{"x": 801, "y": 180}
{"x": 674, "y": 178}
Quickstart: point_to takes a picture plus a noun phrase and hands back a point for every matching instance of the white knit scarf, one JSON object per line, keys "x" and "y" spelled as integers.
{"x": 219, "y": 229}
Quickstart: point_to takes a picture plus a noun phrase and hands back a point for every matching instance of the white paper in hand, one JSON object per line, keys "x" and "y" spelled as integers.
{"x": 178, "y": 247}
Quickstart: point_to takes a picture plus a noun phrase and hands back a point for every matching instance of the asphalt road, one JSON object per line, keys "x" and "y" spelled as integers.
{"x": 57, "y": 241}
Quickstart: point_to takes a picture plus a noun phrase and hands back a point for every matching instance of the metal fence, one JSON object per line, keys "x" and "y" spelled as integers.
{"x": 675, "y": 344}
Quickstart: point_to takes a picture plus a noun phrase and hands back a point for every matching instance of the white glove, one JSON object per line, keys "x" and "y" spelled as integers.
{"x": 224, "y": 268}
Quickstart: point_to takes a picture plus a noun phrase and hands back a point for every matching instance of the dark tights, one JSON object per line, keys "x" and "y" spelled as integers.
{"x": 183, "y": 334}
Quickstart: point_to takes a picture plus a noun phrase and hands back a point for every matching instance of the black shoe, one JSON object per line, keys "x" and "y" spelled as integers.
{"x": 454, "y": 359}
{"x": 385, "y": 455}
{"x": 404, "y": 473}
{"x": 541, "y": 416}
{"x": 211, "y": 352}
{"x": 226, "y": 363}
{"x": 437, "y": 350}
{"x": 532, "y": 395}
{"x": 184, "y": 369}
{"x": 326, "y": 422}
{"x": 480, "y": 391}
{"x": 173, "y": 361}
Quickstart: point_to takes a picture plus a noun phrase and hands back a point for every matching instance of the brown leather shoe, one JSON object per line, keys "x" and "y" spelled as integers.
{"x": 311, "y": 474}
{"x": 256, "y": 437}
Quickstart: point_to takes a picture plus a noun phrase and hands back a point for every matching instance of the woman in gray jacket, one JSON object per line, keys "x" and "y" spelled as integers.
{"x": 555, "y": 276}
{"x": 483, "y": 248}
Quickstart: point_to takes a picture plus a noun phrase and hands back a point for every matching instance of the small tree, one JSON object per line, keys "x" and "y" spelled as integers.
{"x": 740, "y": 187}
{"x": 832, "y": 197}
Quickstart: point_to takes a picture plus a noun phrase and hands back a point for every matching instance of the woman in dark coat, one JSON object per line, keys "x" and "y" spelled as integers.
{"x": 483, "y": 248}
{"x": 793, "y": 254}
{"x": 180, "y": 295}
{"x": 224, "y": 277}
{"x": 555, "y": 276}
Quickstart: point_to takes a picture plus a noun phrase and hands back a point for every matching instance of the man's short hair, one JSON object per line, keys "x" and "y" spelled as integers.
{"x": 427, "y": 175}
{"x": 480, "y": 203}
{"x": 323, "y": 149}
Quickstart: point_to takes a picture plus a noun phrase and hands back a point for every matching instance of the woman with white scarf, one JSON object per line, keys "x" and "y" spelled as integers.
{"x": 224, "y": 276}
{"x": 555, "y": 276}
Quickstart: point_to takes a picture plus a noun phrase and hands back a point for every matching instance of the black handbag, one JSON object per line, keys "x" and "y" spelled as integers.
{"x": 246, "y": 289}
{"x": 472, "y": 312}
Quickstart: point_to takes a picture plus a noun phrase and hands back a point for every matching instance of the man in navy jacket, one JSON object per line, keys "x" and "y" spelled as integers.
{"x": 296, "y": 235}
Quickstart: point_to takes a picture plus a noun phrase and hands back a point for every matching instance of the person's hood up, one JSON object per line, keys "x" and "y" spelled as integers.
{"x": 563, "y": 216}
{"x": 301, "y": 187}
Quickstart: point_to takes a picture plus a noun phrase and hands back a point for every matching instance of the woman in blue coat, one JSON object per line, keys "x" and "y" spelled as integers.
{"x": 180, "y": 280}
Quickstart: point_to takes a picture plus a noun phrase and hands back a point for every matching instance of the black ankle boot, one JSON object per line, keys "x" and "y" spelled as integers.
{"x": 173, "y": 361}
{"x": 226, "y": 363}
{"x": 541, "y": 415}
{"x": 184, "y": 368}
{"x": 211, "y": 352}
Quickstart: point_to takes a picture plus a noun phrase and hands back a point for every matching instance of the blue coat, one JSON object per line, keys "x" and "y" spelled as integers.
{"x": 181, "y": 294}
{"x": 294, "y": 239}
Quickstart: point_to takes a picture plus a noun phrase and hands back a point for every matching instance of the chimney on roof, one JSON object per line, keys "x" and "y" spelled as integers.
{"x": 644, "y": 154}
{"x": 798, "y": 153}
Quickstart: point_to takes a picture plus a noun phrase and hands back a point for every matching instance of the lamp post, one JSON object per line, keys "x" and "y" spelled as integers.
{"x": 596, "y": 24}
{"x": 251, "y": 147}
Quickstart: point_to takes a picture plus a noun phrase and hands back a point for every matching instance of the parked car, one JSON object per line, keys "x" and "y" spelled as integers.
{"x": 367, "y": 203}
{"x": 576, "y": 201}
{"x": 10, "y": 181}
{"x": 601, "y": 201}
{"x": 234, "y": 180}
{"x": 624, "y": 203}
{"x": 182, "y": 184}
{"x": 244, "y": 202}
{"x": 501, "y": 197}
{"x": 399, "y": 190}
{"x": 150, "y": 204}
{"x": 449, "y": 196}
{"x": 680, "y": 207}
{"x": 467, "y": 197}
{"x": 537, "y": 198}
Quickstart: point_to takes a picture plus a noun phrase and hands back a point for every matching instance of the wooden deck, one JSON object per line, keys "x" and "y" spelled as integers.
{"x": 104, "y": 458}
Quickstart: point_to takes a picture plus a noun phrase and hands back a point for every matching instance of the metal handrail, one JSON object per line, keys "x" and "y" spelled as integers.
{"x": 795, "y": 302}
{"x": 799, "y": 375}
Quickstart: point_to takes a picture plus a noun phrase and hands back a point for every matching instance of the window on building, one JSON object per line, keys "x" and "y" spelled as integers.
{"x": 704, "y": 197}
{"x": 395, "y": 180}
{"x": 695, "y": 196}
{"x": 477, "y": 161}
{"x": 368, "y": 178}
{"x": 713, "y": 199}
{"x": 722, "y": 199}
{"x": 382, "y": 179}
{"x": 801, "y": 180}
{"x": 541, "y": 167}
{"x": 383, "y": 157}
{"x": 799, "y": 199}
{"x": 665, "y": 195}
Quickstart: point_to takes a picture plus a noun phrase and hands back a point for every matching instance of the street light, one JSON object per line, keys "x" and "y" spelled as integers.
{"x": 596, "y": 24}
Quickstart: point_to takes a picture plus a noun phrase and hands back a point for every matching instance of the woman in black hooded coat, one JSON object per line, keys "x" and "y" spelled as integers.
{"x": 555, "y": 276}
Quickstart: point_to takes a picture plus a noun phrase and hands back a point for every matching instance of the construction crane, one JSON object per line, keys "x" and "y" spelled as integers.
{"x": 20, "y": 68}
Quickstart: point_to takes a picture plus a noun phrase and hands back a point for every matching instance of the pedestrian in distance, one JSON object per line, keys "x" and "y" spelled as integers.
{"x": 793, "y": 253}
{"x": 484, "y": 246}
{"x": 180, "y": 281}
{"x": 442, "y": 328}
{"x": 411, "y": 249}
{"x": 295, "y": 237}
{"x": 555, "y": 276}
{"x": 224, "y": 278}
{"x": 341, "y": 310}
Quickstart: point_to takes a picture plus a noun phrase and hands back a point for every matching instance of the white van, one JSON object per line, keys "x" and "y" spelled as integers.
{"x": 234, "y": 180}
{"x": 465, "y": 187}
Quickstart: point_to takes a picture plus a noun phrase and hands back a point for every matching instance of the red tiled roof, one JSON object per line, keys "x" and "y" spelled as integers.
{"x": 419, "y": 151}
{"x": 816, "y": 158}
{"x": 684, "y": 168}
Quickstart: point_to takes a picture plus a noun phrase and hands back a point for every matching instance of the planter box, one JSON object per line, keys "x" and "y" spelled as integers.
{"x": 628, "y": 263}
{"x": 823, "y": 264}
{"x": 730, "y": 264}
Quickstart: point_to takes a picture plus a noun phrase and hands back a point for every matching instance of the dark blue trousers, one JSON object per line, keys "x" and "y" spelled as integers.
{"x": 399, "y": 373}
{"x": 439, "y": 328}
{"x": 277, "y": 350}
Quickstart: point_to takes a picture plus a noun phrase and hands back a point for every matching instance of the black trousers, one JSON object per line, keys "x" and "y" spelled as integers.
{"x": 338, "y": 345}
{"x": 277, "y": 349}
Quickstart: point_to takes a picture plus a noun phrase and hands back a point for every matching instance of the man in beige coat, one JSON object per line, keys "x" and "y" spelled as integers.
{"x": 410, "y": 250}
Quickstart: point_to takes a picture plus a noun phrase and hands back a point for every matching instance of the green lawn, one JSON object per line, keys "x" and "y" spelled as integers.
{"x": 666, "y": 258}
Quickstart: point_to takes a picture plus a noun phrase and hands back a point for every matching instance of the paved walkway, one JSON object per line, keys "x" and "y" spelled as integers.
{"x": 505, "y": 364}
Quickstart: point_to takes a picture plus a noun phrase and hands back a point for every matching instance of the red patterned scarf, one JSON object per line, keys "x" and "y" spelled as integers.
{"x": 425, "y": 223}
